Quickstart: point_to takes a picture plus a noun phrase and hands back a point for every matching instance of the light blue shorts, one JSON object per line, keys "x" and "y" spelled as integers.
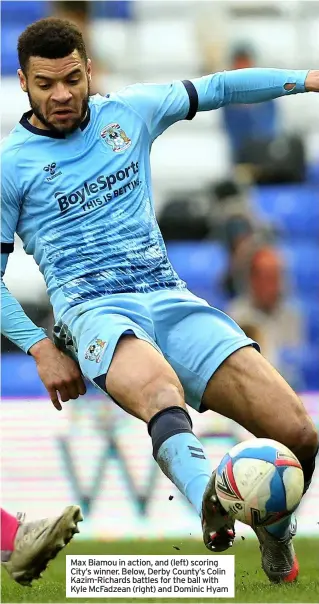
{"x": 194, "y": 337}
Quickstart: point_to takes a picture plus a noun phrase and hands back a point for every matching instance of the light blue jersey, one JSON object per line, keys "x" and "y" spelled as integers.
{"x": 82, "y": 203}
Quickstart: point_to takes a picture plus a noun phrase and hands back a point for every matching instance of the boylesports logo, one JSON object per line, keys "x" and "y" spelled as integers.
{"x": 103, "y": 186}
{"x": 115, "y": 137}
{"x": 51, "y": 168}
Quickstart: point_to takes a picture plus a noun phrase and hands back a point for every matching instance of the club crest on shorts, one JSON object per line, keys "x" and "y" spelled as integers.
{"x": 95, "y": 350}
{"x": 115, "y": 137}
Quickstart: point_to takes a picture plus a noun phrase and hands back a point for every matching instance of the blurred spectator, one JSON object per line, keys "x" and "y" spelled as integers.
{"x": 236, "y": 226}
{"x": 238, "y": 232}
{"x": 228, "y": 201}
{"x": 264, "y": 307}
{"x": 79, "y": 12}
{"x": 257, "y": 142}
{"x": 246, "y": 123}
{"x": 181, "y": 219}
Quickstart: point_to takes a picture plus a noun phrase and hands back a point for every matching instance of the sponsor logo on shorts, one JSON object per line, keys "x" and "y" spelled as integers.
{"x": 115, "y": 137}
{"x": 95, "y": 350}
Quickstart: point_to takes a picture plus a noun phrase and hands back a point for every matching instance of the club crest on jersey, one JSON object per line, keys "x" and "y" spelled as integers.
{"x": 95, "y": 350}
{"x": 115, "y": 137}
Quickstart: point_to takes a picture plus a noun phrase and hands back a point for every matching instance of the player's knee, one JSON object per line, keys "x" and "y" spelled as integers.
{"x": 162, "y": 393}
{"x": 302, "y": 436}
{"x": 309, "y": 440}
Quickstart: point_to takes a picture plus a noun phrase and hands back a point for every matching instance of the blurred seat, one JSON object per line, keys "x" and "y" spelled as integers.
{"x": 26, "y": 382}
{"x": 302, "y": 265}
{"x": 201, "y": 265}
{"x": 277, "y": 161}
{"x": 121, "y": 9}
{"x": 310, "y": 311}
{"x": 15, "y": 17}
{"x": 167, "y": 44}
{"x": 181, "y": 220}
{"x": 313, "y": 172}
{"x": 300, "y": 367}
{"x": 309, "y": 366}
{"x": 293, "y": 209}
{"x": 187, "y": 158}
{"x": 19, "y": 10}
{"x": 111, "y": 50}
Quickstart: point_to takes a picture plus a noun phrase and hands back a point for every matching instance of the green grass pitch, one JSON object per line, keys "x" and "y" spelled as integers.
{"x": 251, "y": 583}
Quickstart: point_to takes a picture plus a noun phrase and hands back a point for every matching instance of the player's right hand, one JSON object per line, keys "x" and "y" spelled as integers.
{"x": 59, "y": 373}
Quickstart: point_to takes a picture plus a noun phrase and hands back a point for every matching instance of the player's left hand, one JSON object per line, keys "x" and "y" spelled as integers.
{"x": 312, "y": 81}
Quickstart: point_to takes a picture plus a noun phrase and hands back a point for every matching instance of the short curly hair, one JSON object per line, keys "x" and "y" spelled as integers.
{"x": 50, "y": 38}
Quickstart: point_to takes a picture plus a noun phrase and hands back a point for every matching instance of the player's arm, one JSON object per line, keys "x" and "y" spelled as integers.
{"x": 59, "y": 373}
{"x": 15, "y": 325}
{"x": 161, "y": 105}
{"x": 252, "y": 86}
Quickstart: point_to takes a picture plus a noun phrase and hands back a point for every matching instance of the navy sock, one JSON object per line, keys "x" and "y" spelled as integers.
{"x": 308, "y": 467}
{"x": 179, "y": 453}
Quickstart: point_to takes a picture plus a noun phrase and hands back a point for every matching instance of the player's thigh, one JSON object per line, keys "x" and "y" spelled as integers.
{"x": 97, "y": 338}
{"x": 247, "y": 389}
{"x": 141, "y": 380}
{"x": 119, "y": 355}
{"x": 195, "y": 339}
{"x": 123, "y": 360}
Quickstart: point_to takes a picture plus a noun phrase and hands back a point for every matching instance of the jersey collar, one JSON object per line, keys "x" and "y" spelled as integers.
{"x": 50, "y": 133}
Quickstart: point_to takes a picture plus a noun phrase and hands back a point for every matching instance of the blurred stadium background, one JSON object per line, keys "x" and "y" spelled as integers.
{"x": 237, "y": 197}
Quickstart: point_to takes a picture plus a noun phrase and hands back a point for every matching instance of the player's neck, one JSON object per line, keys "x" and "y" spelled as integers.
{"x": 34, "y": 121}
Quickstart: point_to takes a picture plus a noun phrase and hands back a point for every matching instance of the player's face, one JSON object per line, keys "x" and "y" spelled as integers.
{"x": 58, "y": 91}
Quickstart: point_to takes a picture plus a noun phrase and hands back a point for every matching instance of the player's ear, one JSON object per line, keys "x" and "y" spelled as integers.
{"x": 23, "y": 80}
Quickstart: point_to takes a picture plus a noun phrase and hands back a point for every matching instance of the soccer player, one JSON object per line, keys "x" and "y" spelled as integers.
{"x": 27, "y": 547}
{"x": 77, "y": 190}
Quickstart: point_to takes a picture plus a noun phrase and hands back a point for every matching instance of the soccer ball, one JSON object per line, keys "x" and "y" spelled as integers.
{"x": 259, "y": 482}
